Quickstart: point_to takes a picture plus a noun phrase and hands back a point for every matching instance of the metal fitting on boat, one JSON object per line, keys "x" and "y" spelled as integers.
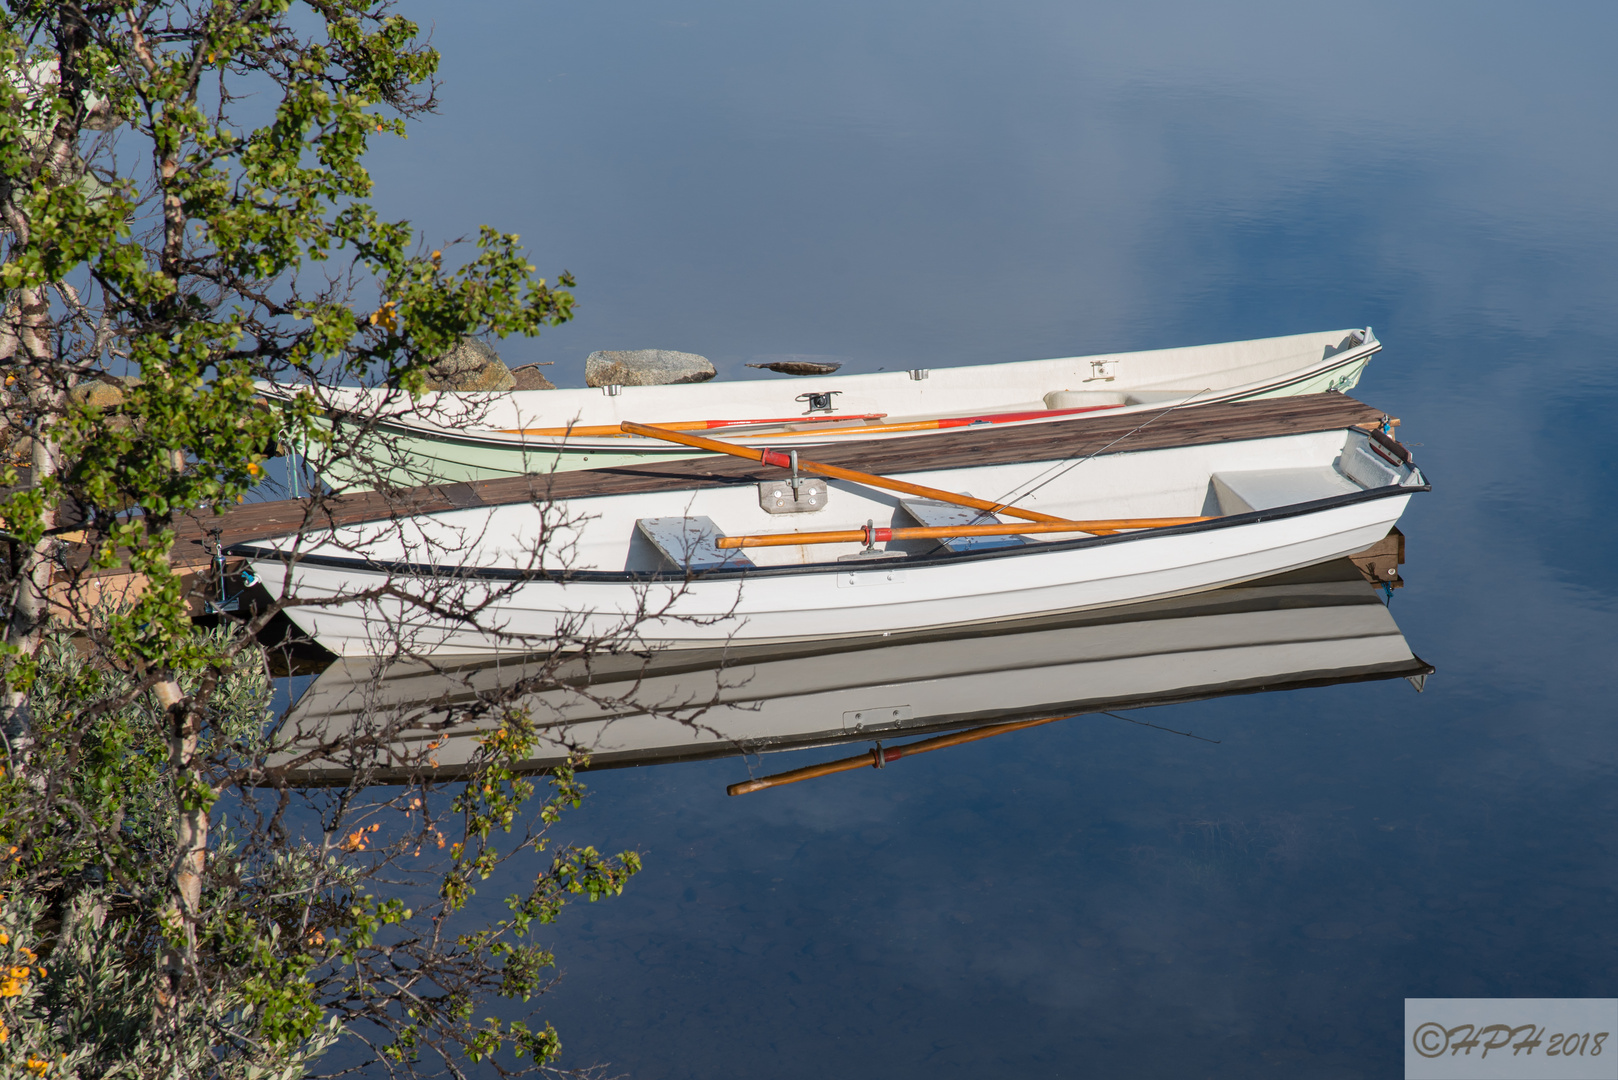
{"x": 919, "y": 373}
{"x": 819, "y": 401}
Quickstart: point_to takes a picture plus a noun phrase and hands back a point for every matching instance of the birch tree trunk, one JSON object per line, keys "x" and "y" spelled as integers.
{"x": 190, "y": 834}
{"x": 30, "y": 601}
{"x": 31, "y": 342}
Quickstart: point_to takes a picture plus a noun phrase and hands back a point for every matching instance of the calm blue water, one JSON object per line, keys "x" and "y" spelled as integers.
{"x": 906, "y": 184}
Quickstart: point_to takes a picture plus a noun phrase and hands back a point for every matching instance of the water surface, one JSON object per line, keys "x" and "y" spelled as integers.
{"x": 899, "y": 185}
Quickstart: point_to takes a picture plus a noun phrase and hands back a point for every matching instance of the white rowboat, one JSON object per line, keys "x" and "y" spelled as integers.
{"x": 644, "y": 570}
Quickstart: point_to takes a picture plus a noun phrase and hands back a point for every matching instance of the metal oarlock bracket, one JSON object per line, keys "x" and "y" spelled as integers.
{"x": 777, "y": 496}
{"x": 819, "y": 402}
{"x": 870, "y": 537}
{"x": 799, "y": 495}
{"x": 871, "y": 551}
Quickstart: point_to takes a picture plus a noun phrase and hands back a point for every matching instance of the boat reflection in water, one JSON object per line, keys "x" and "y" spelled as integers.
{"x": 1314, "y": 627}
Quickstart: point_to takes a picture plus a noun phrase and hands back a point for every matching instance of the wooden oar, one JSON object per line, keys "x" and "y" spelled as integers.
{"x": 781, "y": 460}
{"x": 880, "y": 756}
{"x": 594, "y": 430}
{"x": 938, "y": 424}
{"x": 956, "y": 421}
{"x": 871, "y": 535}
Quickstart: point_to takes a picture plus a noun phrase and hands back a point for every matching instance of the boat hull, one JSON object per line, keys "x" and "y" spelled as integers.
{"x": 802, "y": 603}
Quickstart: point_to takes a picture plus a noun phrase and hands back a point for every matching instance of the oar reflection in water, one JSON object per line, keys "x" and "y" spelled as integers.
{"x": 879, "y": 756}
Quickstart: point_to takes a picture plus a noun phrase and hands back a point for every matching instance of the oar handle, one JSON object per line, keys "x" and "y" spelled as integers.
{"x": 775, "y": 457}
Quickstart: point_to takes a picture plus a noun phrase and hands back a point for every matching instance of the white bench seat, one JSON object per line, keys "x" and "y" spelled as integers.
{"x": 1266, "y": 489}
{"x": 926, "y": 512}
{"x": 686, "y": 544}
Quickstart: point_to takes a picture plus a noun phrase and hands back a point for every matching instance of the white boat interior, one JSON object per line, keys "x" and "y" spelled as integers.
{"x": 673, "y": 532}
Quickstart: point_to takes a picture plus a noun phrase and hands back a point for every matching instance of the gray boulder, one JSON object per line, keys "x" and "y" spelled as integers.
{"x": 645, "y": 367}
{"x": 98, "y": 394}
{"x": 471, "y": 365}
{"x": 104, "y": 391}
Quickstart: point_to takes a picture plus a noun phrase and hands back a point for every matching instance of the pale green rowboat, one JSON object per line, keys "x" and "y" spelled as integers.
{"x": 448, "y": 437}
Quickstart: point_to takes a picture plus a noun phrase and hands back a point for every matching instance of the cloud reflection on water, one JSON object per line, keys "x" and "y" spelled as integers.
{"x": 921, "y": 185}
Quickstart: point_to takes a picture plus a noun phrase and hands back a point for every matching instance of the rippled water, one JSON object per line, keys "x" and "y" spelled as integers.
{"x": 900, "y": 185}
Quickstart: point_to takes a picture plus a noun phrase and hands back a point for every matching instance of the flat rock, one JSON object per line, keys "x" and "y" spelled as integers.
{"x": 798, "y": 367}
{"x": 529, "y": 377}
{"x": 471, "y": 365}
{"x": 645, "y": 367}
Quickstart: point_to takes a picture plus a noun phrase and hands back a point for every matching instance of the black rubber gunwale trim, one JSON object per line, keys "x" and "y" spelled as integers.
{"x": 619, "y": 577}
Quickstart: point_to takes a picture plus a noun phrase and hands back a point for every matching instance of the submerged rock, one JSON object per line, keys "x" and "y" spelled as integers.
{"x": 471, "y": 365}
{"x": 798, "y": 367}
{"x": 645, "y": 367}
{"x": 529, "y": 377}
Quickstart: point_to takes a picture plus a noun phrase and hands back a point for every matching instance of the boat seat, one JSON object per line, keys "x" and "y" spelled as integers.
{"x": 926, "y": 512}
{"x": 1095, "y": 399}
{"x": 1266, "y": 489}
{"x": 1365, "y": 463}
{"x": 688, "y": 544}
{"x": 1085, "y": 399}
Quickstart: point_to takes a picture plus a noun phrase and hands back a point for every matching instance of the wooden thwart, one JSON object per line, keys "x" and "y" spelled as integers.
{"x": 777, "y": 458}
{"x": 880, "y": 756}
{"x": 944, "y": 532}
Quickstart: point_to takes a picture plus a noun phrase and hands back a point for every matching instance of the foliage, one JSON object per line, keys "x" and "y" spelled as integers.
{"x": 183, "y": 215}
